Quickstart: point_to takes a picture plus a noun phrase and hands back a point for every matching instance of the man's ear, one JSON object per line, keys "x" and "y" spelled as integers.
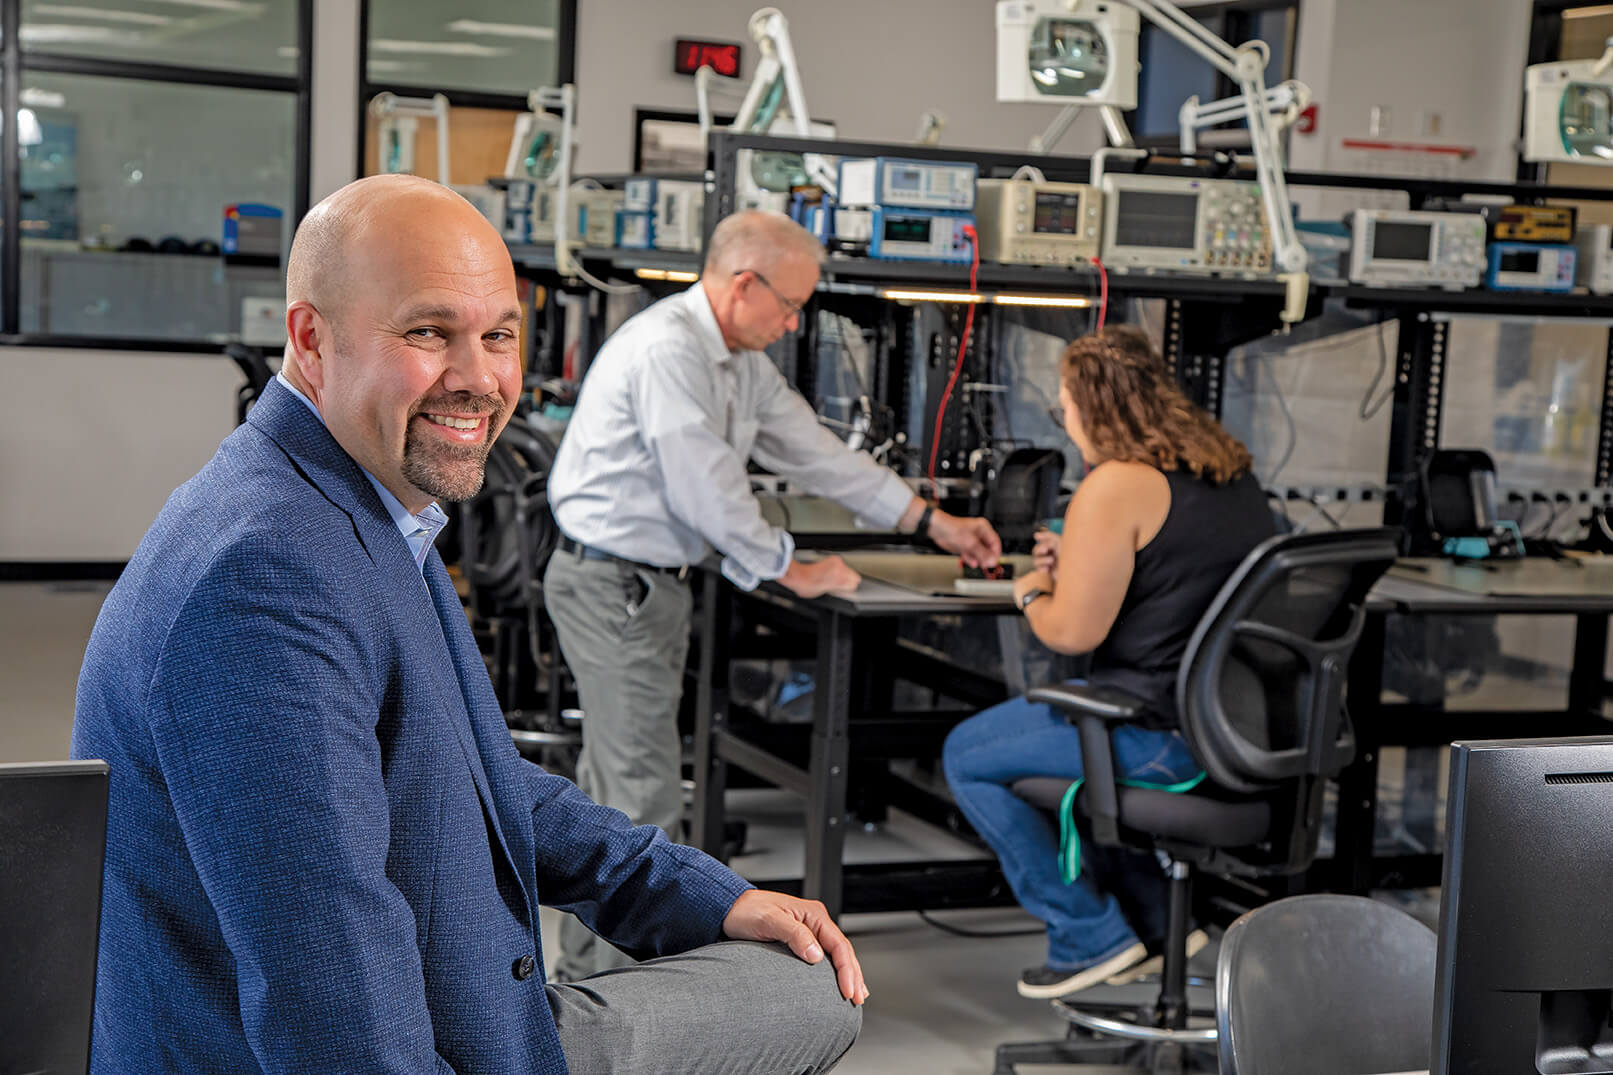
{"x": 306, "y": 334}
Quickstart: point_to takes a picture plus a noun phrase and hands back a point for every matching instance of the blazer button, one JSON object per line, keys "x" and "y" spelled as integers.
{"x": 524, "y": 967}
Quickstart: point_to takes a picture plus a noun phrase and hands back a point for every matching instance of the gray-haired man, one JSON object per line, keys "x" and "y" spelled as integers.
{"x": 651, "y": 476}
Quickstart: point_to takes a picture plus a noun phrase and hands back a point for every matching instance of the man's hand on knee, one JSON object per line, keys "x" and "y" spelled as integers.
{"x": 805, "y": 926}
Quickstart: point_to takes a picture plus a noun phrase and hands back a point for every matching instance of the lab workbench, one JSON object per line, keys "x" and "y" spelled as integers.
{"x": 858, "y": 656}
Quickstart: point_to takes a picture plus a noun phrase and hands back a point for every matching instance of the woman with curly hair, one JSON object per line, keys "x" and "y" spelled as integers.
{"x": 1166, "y": 511}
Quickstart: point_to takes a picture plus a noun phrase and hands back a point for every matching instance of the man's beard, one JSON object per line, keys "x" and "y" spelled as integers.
{"x": 444, "y": 471}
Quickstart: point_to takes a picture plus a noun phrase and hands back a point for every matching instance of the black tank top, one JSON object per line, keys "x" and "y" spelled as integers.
{"x": 1208, "y": 531}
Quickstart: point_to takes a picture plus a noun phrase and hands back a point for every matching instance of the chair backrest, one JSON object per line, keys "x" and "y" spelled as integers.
{"x": 1326, "y": 985}
{"x": 507, "y": 530}
{"x": 254, "y": 365}
{"x": 52, "y": 850}
{"x": 1458, "y": 492}
{"x": 1024, "y": 493}
{"x": 1261, "y": 687}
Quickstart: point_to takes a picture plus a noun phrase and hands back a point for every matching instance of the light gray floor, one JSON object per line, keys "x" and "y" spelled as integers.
{"x": 940, "y": 1003}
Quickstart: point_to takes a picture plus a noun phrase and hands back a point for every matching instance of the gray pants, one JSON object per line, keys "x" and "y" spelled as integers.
{"x": 625, "y": 634}
{"x": 725, "y": 1009}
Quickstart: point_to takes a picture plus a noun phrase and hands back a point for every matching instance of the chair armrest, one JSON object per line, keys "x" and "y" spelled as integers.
{"x": 1108, "y": 704}
{"x": 1098, "y": 781}
{"x": 1093, "y": 709}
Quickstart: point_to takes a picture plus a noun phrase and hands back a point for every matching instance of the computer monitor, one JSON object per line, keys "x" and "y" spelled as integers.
{"x": 52, "y": 848}
{"x": 1525, "y": 964}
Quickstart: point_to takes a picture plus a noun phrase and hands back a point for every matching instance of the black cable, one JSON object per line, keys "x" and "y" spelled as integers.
{"x": 1282, "y": 508}
{"x": 1324, "y": 512}
{"x": 1556, "y": 508}
{"x": 959, "y": 931}
{"x": 1369, "y": 410}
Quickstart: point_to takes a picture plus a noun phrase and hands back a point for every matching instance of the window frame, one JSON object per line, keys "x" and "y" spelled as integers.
{"x": 15, "y": 60}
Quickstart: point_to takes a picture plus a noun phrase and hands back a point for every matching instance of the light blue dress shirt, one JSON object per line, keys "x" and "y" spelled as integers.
{"x": 418, "y": 530}
{"x": 652, "y": 466}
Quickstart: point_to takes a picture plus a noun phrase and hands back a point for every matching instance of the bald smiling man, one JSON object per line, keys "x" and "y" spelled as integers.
{"x": 324, "y": 853}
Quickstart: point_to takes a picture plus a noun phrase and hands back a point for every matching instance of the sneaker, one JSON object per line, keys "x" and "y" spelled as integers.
{"x": 1045, "y": 983}
{"x": 1155, "y": 963}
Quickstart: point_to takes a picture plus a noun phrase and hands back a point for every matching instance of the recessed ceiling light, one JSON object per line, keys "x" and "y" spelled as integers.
{"x": 441, "y": 48}
{"x": 244, "y": 7}
{"x": 74, "y": 11}
{"x": 54, "y": 33}
{"x": 501, "y": 29}
{"x": 38, "y": 98}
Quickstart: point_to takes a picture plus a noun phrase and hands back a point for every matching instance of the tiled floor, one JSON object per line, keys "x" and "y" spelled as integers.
{"x": 940, "y": 1002}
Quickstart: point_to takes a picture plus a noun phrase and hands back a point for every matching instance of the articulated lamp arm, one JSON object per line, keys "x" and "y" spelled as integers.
{"x": 564, "y": 99}
{"x": 1284, "y": 101}
{"x": 1245, "y": 65}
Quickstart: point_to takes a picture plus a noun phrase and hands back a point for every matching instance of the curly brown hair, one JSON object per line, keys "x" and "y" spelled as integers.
{"x": 1133, "y": 410}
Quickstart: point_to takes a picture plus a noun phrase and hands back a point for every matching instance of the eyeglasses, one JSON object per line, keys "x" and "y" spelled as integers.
{"x": 1057, "y": 415}
{"x": 791, "y": 309}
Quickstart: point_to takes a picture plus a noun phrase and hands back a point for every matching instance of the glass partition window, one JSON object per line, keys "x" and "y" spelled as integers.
{"x": 1530, "y": 395}
{"x": 487, "y": 46}
{"x": 134, "y": 193}
{"x": 258, "y": 36}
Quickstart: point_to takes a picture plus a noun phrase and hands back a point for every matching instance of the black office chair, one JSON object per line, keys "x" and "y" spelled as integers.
{"x": 53, "y": 833}
{"x": 1260, "y": 695}
{"x": 1023, "y": 494}
{"x": 1457, "y": 489}
{"x": 1326, "y": 985}
{"x": 254, "y": 365}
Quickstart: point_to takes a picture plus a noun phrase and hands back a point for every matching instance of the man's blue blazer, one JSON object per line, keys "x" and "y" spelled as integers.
{"x": 324, "y": 853}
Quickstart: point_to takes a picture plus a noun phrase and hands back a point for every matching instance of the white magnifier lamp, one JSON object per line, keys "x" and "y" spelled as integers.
{"x": 1568, "y": 111}
{"x": 1083, "y": 54}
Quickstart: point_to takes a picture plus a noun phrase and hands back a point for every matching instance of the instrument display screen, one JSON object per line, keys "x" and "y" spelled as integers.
{"x": 905, "y": 179}
{"x": 1524, "y": 261}
{"x": 1057, "y": 214}
{"x": 1153, "y": 219}
{"x": 907, "y": 230}
{"x": 1401, "y": 242}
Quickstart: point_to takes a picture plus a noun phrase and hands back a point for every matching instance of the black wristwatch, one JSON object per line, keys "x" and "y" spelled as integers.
{"x": 922, "y": 529}
{"x": 1030, "y": 595}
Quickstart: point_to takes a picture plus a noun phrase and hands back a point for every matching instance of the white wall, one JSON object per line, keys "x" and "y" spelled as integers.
{"x": 1448, "y": 72}
{"x": 872, "y": 66}
{"x": 84, "y": 474}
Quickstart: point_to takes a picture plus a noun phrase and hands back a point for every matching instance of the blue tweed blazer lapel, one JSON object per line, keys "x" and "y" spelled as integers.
{"x": 489, "y": 736}
{"x": 285, "y": 420}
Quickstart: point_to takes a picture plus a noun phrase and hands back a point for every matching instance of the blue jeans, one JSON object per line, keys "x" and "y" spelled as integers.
{"x": 988, "y": 752}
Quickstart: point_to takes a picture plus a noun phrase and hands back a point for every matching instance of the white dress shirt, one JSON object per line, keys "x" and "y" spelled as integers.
{"x": 652, "y": 466}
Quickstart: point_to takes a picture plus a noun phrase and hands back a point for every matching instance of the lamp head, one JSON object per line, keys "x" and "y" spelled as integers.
{"x": 1067, "y": 52}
